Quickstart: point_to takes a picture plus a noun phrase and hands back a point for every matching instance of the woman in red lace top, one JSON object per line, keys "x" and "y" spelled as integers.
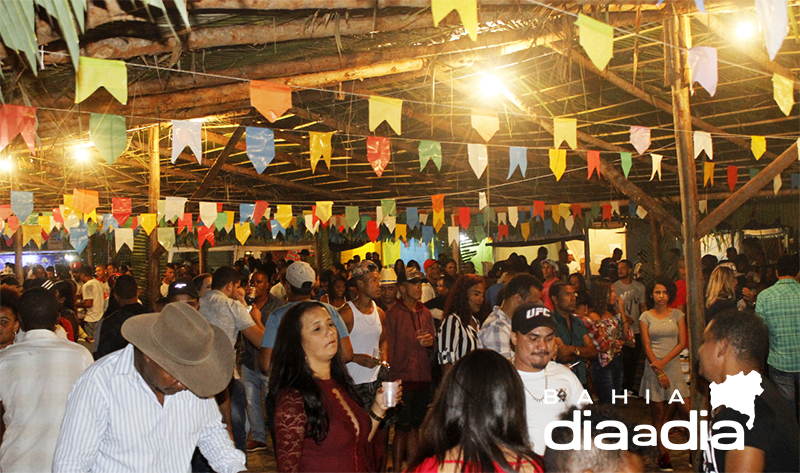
{"x": 478, "y": 422}
{"x": 319, "y": 422}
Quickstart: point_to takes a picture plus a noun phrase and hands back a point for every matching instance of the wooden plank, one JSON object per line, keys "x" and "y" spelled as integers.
{"x": 221, "y": 159}
{"x": 749, "y": 190}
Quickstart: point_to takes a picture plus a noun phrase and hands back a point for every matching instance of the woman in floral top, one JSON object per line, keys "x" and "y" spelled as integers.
{"x": 609, "y": 330}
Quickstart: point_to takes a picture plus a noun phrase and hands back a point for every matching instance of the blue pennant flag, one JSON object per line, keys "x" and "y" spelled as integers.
{"x": 517, "y": 157}
{"x": 276, "y": 228}
{"x": 548, "y": 226}
{"x": 412, "y": 217}
{"x": 795, "y": 181}
{"x": 427, "y": 234}
{"x": 632, "y": 208}
{"x": 79, "y": 238}
{"x": 246, "y": 212}
{"x": 260, "y": 147}
{"x": 21, "y": 204}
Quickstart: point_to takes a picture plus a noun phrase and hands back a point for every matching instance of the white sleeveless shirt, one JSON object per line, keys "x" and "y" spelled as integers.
{"x": 365, "y": 338}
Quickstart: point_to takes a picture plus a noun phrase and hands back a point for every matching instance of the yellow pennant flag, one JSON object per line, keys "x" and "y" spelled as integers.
{"x": 90, "y": 216}
{"x": 438, "y": 219}
{"x": 558, "y": 162}
{"x": 242, "y": 232}
{"x": 320, "y": 144}
{"x": 229, "y": 218}
{"x": 385, "y": 108}
{"x": 148, "y": 222}
{"x": 467, "y": 10}
{"x": 758, "y": 144}
{"x": 708, "y": 173}
{"x": 44, "y": 222}
{"x": 324, "y": 211}
{"x": 400, "y": 232}
{"x": 563, "y": 210}
{"x": 525, "y": 229}
{"x": 556, "y": 214}
{"x": 94, "y": 73}
{"x": 783, "y": 92}
{"x": 565, "y": 129}
{"x": 284, "y": 215}
{"x": 597, "y": 39}
{"x": 32, "y": 232}
{"x": 7, "y": 231}
{"x": 69, "y": 201}
{"x": 485, "y": 123}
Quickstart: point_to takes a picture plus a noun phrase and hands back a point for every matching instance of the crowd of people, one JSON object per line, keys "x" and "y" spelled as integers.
{"x": 463, "y": 372}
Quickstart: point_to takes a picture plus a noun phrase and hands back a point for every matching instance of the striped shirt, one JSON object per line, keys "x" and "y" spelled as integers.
{"x": 779, "y": 306}
{"x": 36, "y": 376}
{"x": 495, "y": 333}
{"x": 115, "y": 423}
{"x": 455, "y": 340}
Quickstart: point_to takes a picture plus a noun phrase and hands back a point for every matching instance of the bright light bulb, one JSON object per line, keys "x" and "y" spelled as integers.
{"x": 491, "y": 85}
{"x": 81, "y": 154}
{"x": 6, "y": 165}
{"x": 745, "y": 30}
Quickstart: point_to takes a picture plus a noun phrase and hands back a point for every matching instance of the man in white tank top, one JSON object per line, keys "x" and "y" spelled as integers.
{"x": 364, "y": 321}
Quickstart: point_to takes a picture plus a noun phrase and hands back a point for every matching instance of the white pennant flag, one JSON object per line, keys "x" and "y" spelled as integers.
{"x": 482, "y": 195}
{"x": 702, "y": 141}
{"x": 569, "y": 222}
{"x": 615, "y": 208}
{"x": 390, "y": 222}
{"x": 423, "y": 219}
{"x": 310, "y": 226}
{"x": 777, "y": 182}
{"x": 379, "y": 214}
{"x": 478, "y": 158}
{"x": 641, "y": 212}
{"x": 208, "y": 213}
{"x": 513, "y": 216}
{"x": 502, "y": 218}
{"x": 656, "y": 166}
{"x": 186, "y": 133}
{"x": 123, "y": 236}
{"x": 452, "y": 235}
{"x": 702, "y": 206}
{"x": 174, "y": 208}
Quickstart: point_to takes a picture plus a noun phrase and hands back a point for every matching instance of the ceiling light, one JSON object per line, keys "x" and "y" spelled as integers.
{"x": 491, "y": 85}
{"x": 81, "y": 154}
{"x": 6, "y": 165}
{"x": 745, "y": 30}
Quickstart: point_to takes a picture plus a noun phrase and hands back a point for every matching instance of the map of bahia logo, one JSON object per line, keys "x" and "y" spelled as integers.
{"x": 736, "y": 392}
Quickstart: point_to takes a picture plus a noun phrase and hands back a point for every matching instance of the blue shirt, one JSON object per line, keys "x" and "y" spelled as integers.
{"x": 572, "y": 337}
{"x": 492, "y": 293}
{"x": 274, "y": 321}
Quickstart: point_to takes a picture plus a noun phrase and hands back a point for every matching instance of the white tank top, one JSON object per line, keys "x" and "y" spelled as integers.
{"x": 365, "y": 337}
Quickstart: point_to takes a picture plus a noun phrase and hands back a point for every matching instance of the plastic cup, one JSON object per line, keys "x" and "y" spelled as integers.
{"x": 389, "y": 391}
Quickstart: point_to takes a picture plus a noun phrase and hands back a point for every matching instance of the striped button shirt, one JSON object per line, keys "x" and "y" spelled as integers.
{"x": 779, "y": 306}
{"x": 455, "y": 340}
{"x": 115, "y": 423}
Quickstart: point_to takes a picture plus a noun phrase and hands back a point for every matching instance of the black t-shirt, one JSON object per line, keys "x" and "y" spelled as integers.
{"x": 774, "y": 431}
{"x": 109, "y": 338}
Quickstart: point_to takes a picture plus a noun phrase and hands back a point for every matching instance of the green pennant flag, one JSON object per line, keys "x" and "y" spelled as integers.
{"x": 351, "y": 216}
{"x": 430, "y": 150}
{"x": 221, "y": 221}
{"x": 389, "y": 207}
{"x": 109, "y": 135}
{"x": 626, "y": 163}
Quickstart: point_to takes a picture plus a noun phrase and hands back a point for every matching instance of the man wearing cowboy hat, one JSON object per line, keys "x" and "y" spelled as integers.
{"x": 146, "y": 407}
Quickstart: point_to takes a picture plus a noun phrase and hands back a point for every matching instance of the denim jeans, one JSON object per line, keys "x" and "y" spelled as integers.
{"x": 788, "y": 384}
{"x": 608, "y": 378}
{"x": 255, "y": 386}
{"x": 238, "y": 413}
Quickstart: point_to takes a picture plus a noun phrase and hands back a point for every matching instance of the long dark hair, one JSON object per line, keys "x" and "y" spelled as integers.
{"x": 289, "y": 370}
{"x": 67, "y": 291}
{"x": 600, "y": 292}
{"x": 458, "y": 300}
{"x": 479, "y": 408}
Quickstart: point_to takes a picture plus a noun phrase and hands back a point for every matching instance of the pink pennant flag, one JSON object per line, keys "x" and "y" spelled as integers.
{"x": 593, "y": 159}
{"x": 378, "y": 153}
{"x": 5, "y": 212}
{"x": 640, "y": 138}
{"x": 18, "y": 120}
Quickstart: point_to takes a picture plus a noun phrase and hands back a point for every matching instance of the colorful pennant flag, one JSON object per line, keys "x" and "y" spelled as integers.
{"x": 324, "y": 211}
{"x": 85, "y": 201}
{"x": 656, "y": 166}
{"x": 517, "y": 158}
{"x": 94, "y": 73}
{"x": 18, "y": 120}
{"x": 148, "y": 222}
{"x": 378, "y": 153}
{"x": 538, "y": 208}
{"x": 708, "y": 173}
{"x": 22, "y": 204}
{"x": 593, "y": 159}
{"x": 123, "y": 236}
{"x": 481, "y": 200}
{"x": 703, "y": 68}
{"x": 412, "y": 217}
{"x": 565, "y": 129}
{"x": 525, "y": 230}
{"x": 702, "y": 142}
{"x": 626, "y": 163}
{"x": 186, "y": 133}
{"x": 388, "y": 109}
{"x": 438, "y": 220}
{"x": 260, "y": 211}
{"x": 284, "y": 215}
{"x": 121, "y": 208}
{"x": 430, "y": 151}
{"x": 79, "y": 238}
{"x": 109, "y": 134}
{"x": 597, "y": 40}
{"x": 260, "y": 147}
{"x": 373, "y": 230}
{"x": 577, "y": 211}
{"x": 205, "y": 234}
{"x": 783, "y": 92}
{"x": 166, "y": 237}
{"x": 606, "y": 212}
{"x": 513, "y": 216}
{"x": 271, "y": 99}
{"x": 246, "y": 212}
{"x": 758, "y": 145}
{"x": 174, "y": 208}
{"x": 400, "y": 232}
{"x": 733, "y": 176}
{"x": 773, "y": 15}
{"x": 242, "y": 232}
{"x": 467, "y": 10}
{"x": 464, "y": 217}
{"x": 478, "y": 158}
{"x": 485, "y": 123}
{"x": 185, "y": 222}
{"x": 320, "y": 144}
{"x": 640, "y": 138}
{"x": 558, "y": 162}
{"x": 777, "y": 182}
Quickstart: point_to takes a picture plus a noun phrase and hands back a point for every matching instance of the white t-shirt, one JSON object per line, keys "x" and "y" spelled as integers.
{"x": 564, "y": 391}
{"x": 93, "y": 289}
{"x": 428, "y": 292}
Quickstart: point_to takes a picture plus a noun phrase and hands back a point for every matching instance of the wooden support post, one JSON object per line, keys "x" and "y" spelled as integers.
{"x": 202, "y": 259}
{"x": 753, "y": 186}
{"x": 680, "y": 41}
{"x": 655, "y": 233}
{"x": 156, "y": 250}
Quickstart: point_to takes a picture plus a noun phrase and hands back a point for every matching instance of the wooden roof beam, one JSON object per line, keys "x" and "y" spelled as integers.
{"x": 214, "y": 170}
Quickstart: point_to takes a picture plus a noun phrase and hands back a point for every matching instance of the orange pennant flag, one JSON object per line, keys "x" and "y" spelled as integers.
{"x": 438, "y": 202}
{"x": 270, "y": 99}
{"x": 593, "y": 159}
{"x": 85, "y": 201}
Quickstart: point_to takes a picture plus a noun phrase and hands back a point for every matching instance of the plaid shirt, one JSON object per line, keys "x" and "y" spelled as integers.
{"x": 495, "y": 333}
{"x": 779, "y": 306}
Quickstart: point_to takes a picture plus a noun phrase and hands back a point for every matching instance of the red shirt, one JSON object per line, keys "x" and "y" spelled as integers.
{"x": 408, "y": 360}
{"x": 680, "y": 296}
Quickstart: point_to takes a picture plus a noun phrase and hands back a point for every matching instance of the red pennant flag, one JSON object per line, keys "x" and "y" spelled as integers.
{"x": 378, "y": 153}
{"x": 538, "y": 208}
{"x": 5, "y": 212}
{"x": 463, "y": 217}
{"x": 18, "y": 120}
{"x": 13, "y": 223}
{"x": 260, "y": 210}
{"x": 134, "y": 222}
{"x": 219, "y": 207}
{"x": 438, "y": 202}
{"x": 45, "y": 235}
{"x": 314, "y": 218}
{"x": 577, "y": 212}
{"x": 185, "y": 222}
{"x": 606, "y": 211}
{"x": 205, "y": 234}
{"x": 121, "y": 209}
{"x": 593, "y": 158}
{"x": 372, "y": 230}
{"x": 56, "y": 215}
{"x": 502, "y": 231}
{"x": 733, "y": 176}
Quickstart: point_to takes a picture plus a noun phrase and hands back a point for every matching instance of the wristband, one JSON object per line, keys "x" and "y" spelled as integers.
{"x": 376, "y": 416}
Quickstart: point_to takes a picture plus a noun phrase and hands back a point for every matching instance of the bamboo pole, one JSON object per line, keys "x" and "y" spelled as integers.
{"x": 679, "y": 37}
{"x": 156, "y": 250}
